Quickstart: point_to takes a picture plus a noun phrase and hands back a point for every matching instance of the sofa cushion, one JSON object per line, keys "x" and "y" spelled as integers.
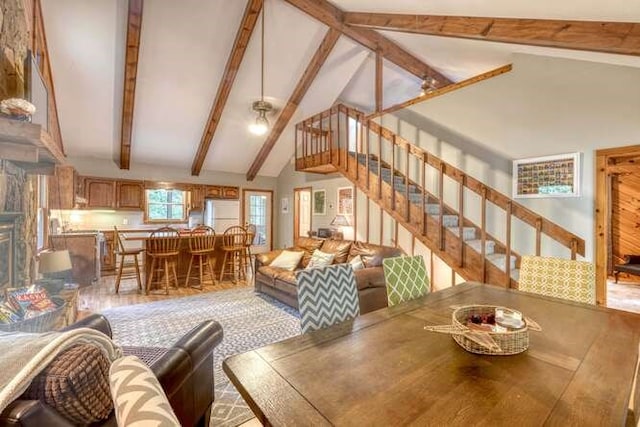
{"x": 356, "y": 263}
{"x": 372, "y": 255}
{"x": 287, "y": 260}
{"x": 131, "y": 379}
{"x": 268, "y": 271}
{"x": 320, "y": 259}
{"x": 286, "y": 276}
{"x": 340, "y": 249}
{"x": 372, "y": 277}
{"x": 267, "y": 257}
{"x": 307, "y": 245}
{"x": 76, "y": 385}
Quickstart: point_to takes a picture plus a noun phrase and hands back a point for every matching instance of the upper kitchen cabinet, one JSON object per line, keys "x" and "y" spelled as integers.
{"x": 213, "y": 192}
{"x": 130, "y": 195}
{"x": 62, "y": 188}
{"x": 100, "y": 193}
{"x": 230, "y": 193}
{"x": 196, "y": 198}
{"x": 220, "y": 192}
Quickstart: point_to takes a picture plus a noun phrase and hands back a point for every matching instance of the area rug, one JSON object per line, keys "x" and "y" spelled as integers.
{"x": 249, "y": 321}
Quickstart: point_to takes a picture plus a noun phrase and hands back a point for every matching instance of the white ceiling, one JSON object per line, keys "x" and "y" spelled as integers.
{"x": 185, "y": 46}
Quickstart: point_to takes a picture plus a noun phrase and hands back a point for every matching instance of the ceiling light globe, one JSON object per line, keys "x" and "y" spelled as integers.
{"x": 260, "y": 126}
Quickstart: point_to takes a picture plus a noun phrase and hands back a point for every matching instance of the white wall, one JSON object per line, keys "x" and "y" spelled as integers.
{"x": 544, "y": 106}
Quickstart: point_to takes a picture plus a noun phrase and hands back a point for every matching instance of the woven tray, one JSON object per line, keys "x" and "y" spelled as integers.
{"x": 43, "y": 323}
{"x": 484, "y": 342}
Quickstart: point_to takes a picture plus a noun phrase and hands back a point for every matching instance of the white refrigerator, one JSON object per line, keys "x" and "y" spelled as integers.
{"x": 221, "y": 214}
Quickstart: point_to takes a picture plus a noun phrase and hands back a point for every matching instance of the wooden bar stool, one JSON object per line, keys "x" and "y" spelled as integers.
{"x": 250, "y": 229}
{"x": 163, "y": 247}
{"x": 201, "y": 246}
{"x": 125, "y": 269}
{"x": 233, "y": 245}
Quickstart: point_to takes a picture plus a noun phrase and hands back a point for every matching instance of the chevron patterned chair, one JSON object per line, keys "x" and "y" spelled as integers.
{"x": 326, "y": 296}
{"x": 558, "y": 277}
{"x": 406, "y": 279}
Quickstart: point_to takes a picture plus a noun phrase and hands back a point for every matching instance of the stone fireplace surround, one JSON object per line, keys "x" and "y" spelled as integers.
{"x": 12, "y": 252}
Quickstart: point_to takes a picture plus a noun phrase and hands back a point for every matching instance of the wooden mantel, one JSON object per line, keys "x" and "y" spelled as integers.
{"x": 28, "y": 144}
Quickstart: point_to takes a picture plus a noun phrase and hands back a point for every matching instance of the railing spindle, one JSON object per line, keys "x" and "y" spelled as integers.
{"x": 295, "y": 144}
{"x": 407, "y": 216}
{"x": 507, "y": 260}
{"x": 393, "y": 173}
{"x": 461, "y": 217}
{"x": 358, "y": 145}
{"x": 574, "y": 248}
{"x": 338, "y": 116}
{"x": 424, "y": 192}
{"x": 538, "y": 236}
{"x": 483, "y": 225}
{"x": 348, "y": 145}
{"x": 330, "y": 135}
{"x": 379, "y": 163}
{"x": 368, "y": 155}
{"x": 441, "y": 197}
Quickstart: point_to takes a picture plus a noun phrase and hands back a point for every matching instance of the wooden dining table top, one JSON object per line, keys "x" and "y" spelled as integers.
{"x": 383, "y": 368}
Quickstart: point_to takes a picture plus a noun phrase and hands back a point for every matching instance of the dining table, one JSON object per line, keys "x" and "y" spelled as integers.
{"x": 385, "y": 368}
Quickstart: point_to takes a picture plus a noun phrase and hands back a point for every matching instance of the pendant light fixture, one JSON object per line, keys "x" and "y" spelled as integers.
{"x": 262, "y": 107}
{"x": 429, "y": 84}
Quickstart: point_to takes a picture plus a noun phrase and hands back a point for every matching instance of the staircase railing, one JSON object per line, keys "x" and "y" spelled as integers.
{"x": 343, "y": 139}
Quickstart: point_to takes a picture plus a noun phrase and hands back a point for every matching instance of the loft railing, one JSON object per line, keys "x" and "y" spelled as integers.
{"x": 341, "y": 138}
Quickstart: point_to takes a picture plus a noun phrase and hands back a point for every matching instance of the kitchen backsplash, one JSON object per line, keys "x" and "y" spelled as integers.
{"x": 100, "y": 220}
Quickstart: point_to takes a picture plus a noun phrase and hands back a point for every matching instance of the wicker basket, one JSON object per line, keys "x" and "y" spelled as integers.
{"x": 507, "y": 343}
{"x": 43, "y": 323}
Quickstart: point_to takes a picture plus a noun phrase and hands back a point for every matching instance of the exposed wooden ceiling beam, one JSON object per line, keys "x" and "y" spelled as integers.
{"x": 248, "y": 23}
{"x": 442, "y": 91}
{"x": 300, "y": 90}
{"x": 611, "y": 37}
{"x": 333, "y": 17}
{"x": 134, "y": 26}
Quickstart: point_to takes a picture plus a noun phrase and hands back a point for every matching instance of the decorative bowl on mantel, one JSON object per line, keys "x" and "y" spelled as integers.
{"x": 489, "y": 329}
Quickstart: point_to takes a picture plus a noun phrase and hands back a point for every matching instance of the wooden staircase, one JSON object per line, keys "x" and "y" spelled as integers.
{"x": 426, "y": 195}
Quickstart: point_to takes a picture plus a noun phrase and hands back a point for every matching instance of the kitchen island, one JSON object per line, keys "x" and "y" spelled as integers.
{"x": 217, "y": 256}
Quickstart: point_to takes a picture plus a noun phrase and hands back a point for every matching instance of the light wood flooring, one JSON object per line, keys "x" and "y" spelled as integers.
{"x": 624, "y": 295}
{"x": 101, "y": 295}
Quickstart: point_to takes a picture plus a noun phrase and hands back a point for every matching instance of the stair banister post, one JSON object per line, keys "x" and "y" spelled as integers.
{"x": 330, "y": 135}
{"x": 574, "y": 248}
{"x": 368, "y": 123}
{"x": 424, "y": 191}
{"x": 483, "y": 224}
{"x": 348, "y": 142}
{"x": 538, "y": 235}
{"x": 441, "y": 197}
{"x": 463, "y": 180}
{"x": 393, "y": 173}
{"x": 338, "y": 116}
{"x": 358, "y": 143}
{"x": 295, "y": 144}
{"x": 507, "y": 260}
{"x": 379, "y": 162}
{"x": 406, "y": 184}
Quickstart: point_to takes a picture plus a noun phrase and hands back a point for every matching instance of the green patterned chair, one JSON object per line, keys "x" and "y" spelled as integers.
{"x": 558, "y": 277}
{"x": 406, "y": 278}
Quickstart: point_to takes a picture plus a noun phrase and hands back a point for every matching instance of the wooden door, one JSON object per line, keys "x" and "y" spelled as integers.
{"x": 301, "y": 212}
{"x": 130, "y": 195}
{"x": 257, "y": 210}
{"x": 100, "y": 193}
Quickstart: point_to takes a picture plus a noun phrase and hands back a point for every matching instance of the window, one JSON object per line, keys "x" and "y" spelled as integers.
{"x": 258, "y": 217}
{"x": 42, "y": 213}
{"x": 166, "y": 205}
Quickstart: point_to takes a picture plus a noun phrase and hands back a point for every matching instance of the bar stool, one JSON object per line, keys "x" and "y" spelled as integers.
{"x": 123, "y": 253}
{"x": 201, "y": 246}
{"x": 250, "y": 229}
{"x": 163, "y": 247}
{"x": 233, "y": 245}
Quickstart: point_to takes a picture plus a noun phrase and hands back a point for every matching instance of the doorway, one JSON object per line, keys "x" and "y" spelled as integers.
{"x": 301, "y": 212}
{"x": 257, "y": 209}
{"x": 617, "y": 217}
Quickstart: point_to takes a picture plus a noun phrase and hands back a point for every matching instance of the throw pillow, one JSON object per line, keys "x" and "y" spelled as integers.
{"x": 356, "y": 263}
{"x": 138, "y": 396}
{"x": 320, "y": 259}
{"x": 76, "y": 385}
{"x": 287, "y": 260}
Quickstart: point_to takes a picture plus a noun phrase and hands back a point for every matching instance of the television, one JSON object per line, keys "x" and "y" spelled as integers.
{"x": 36, "y": 91}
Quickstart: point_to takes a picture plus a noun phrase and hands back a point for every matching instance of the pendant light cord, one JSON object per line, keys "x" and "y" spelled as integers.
{"x": 262, "y": 58}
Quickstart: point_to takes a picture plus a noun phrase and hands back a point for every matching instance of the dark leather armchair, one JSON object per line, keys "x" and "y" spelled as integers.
{"x": 185, "y": 372}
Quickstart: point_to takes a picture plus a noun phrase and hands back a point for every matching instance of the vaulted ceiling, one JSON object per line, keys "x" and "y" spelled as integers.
{"x": 184, "y": 49}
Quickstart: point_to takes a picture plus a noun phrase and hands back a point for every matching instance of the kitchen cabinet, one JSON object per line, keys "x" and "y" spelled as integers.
{"x": 100, "y": 193}
{"x": 213, "y": 192}
{"x": 62, "y": 188}
{"x": 130, "y": 195}
{"x": 108, "y": 262}
{"x": 230, "y": 193}
{"x": 196, "y": 198}
{"x": 222, "y": 192}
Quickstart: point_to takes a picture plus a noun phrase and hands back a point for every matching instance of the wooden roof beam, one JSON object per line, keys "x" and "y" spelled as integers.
{"x": 296, "y": 97}
{"x": 610, "y": 37}
{"x": 248, "y": 23}
{"x": 333, "y": 17}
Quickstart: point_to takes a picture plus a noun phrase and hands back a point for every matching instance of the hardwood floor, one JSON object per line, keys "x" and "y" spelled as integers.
{"x": 101, "y": 295}
{"x": 624, "y": 295}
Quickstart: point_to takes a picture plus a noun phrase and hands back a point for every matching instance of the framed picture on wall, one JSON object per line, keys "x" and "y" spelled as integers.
{"x": 284, "y": 205}
{"x": 345, "y": 201}
{"x": 549, "y": 176}
{"x": 319, "y": 202}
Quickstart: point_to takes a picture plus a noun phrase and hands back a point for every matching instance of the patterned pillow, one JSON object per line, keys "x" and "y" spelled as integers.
{"x": 76, "y": 385}
{"x": 137, "y": 395}
{"x": 320, "y": 259}
{"x": 356, "y": 263}
{"x": 287, "y": 260}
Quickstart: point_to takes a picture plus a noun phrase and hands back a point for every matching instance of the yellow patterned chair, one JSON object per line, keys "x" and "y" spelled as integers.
{"x": 558, "y": 277}
{"x": 406, "y": 279}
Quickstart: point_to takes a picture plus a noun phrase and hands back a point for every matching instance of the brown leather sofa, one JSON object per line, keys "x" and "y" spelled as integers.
{"x": 185, "y": 372}
{"x": 281, "y": 284}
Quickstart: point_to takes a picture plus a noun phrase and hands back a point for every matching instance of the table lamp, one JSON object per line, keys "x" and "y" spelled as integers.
{"x": 55, "y": 266}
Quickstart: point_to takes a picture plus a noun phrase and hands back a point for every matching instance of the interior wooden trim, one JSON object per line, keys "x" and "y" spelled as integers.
{"x": 234, "y": 61}
{"x": 310, "y": 73}
{"x": 599, "y": 36}
{"x": 134, "y": 27}
{"x": 243, "y": 209}
{"x": 296, "y": 210}
{"x": 602, "y": 214}
{"x": 332, "y": 16}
